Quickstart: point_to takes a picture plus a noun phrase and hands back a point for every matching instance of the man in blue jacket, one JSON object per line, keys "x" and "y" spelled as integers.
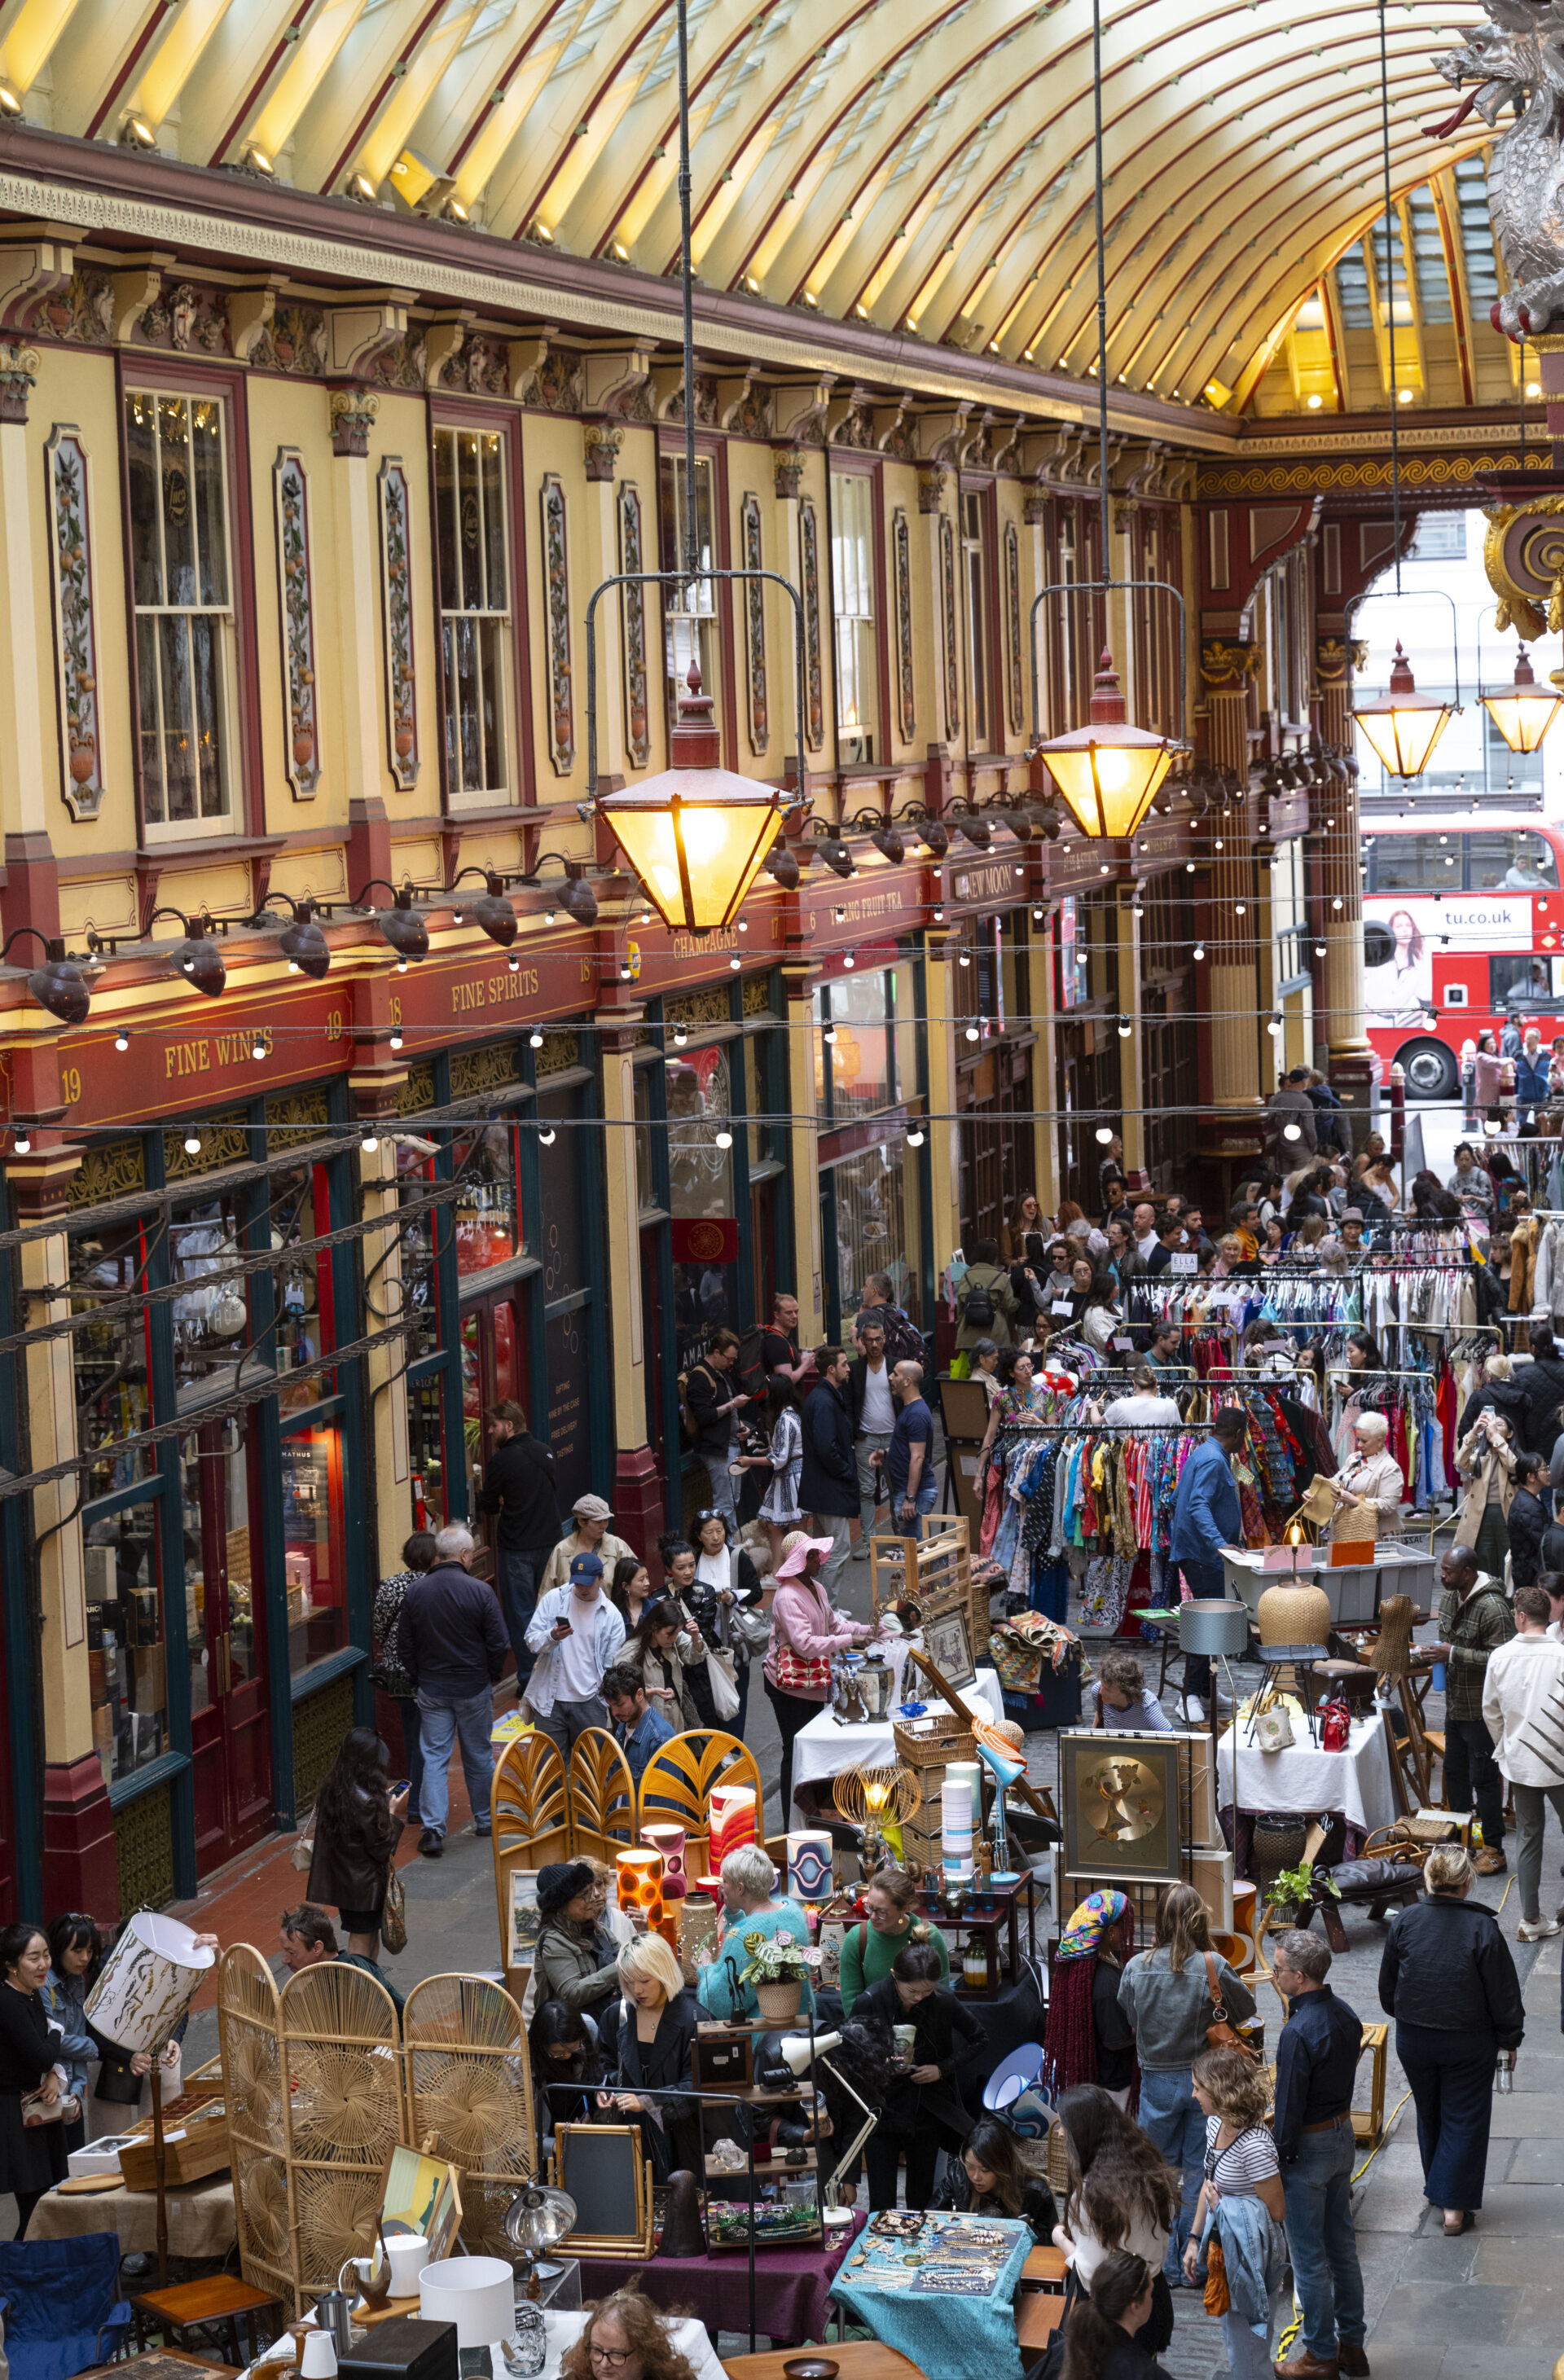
{"x": 1207, "y": 1516}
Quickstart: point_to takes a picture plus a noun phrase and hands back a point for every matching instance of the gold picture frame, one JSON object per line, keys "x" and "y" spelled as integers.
{"x": 634, "y": 2246}
{"x": 1122, "y": 1802}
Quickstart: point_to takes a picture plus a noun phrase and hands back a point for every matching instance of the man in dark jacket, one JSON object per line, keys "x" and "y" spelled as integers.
{"x": 715, "y": 1400}
{"x": 1541, "y": 1383}
{"x": 1474, "y": 1620}
{"x": 1527, "y": 1520}
{"x": 452, "y": 1644}
{"x": 828, "y": 1483}
{"x": 519, "y": 1485}
{"x": 1317, "y": 2057}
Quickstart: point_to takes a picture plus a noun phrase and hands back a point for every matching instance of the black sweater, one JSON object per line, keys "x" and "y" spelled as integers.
{"x": 1447, "y": 1965}
{"x": 1528, "y": 1524}
{"x": 519, "y": 1485}
{"x": 27, "y": 2046}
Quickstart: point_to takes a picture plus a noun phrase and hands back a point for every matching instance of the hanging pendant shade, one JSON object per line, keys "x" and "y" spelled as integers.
{"x": 1109, "y": 771}
{"x": 695, "y": 835}
{"x": 1403, "y": 726}
{"x": 1523, "y": 711}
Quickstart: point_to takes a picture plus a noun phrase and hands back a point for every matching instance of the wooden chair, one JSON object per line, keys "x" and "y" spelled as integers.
{"x": 676, "y": 1787}
{"x": 530, "y": 1814}
{"x": 601, "y": 1796}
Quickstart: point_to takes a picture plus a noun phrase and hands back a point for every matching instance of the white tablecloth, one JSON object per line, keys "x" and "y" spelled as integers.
{"x": 688, "y": 2336}
{"x": 824, "y": 1748}
{"x": 1357, "y": 1781}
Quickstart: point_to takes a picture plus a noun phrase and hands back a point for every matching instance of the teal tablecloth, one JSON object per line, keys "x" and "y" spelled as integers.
{"x": 960, "y": 2334}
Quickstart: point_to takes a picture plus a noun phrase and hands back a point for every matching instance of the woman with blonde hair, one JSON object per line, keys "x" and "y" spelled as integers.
{"x": 626, "y": 2337}
{"x": 657, "y": 2025}
{"x": 1168, "y": 1994}
{"x": 1370, "y": 1485}
{"x": 1241, "y": 2205}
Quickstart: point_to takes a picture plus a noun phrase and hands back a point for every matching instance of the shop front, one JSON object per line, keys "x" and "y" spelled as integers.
{"x": 995, "y": 956}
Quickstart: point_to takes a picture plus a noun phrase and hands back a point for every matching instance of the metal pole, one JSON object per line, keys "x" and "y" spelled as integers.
{"x": 692, "y": 548}
{"x": 1389, "y": 299}
{"x": 1101, "y": 300}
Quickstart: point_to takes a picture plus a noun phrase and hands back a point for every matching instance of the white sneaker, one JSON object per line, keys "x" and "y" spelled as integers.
{"x": 1192, "y": 1710}
{"x": 1223, "y": 1699}
{"x": 1536, "y": 1929}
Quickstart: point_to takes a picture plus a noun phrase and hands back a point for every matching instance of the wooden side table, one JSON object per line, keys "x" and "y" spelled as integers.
{"x": 221, "y": 2303}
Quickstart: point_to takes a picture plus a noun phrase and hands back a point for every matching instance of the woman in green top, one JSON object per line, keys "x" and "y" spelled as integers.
{"x": 869, "y": 1951}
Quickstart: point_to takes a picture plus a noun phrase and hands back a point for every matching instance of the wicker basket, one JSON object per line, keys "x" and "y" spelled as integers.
{"x": 951, "y": 1739}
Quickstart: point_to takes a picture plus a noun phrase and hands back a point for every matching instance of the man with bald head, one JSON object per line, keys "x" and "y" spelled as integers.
{"x": 909, "y": 1460}
{"x": 1144, "y": 1223}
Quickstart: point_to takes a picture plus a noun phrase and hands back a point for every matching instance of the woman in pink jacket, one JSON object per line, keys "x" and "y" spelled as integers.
{"x": 806, "y": 1631}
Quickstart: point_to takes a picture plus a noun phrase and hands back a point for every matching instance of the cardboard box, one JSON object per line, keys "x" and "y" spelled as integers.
{"x": 148, "y": 1690}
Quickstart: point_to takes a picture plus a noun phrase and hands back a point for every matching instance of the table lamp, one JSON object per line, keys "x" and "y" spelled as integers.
{"x": 733, "y": 1821}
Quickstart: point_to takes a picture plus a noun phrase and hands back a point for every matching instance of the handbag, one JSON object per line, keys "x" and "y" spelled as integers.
{"x": 393, "y": 1914}
{"x": 796, "y": 1673}
{"x": 750, "y": 1629}
{"x": 1220, "y": 2032}
{"x": 1219, "y": 2299}
{"x": 1273, "y": 1727}
{"x": 724, "y": 1684}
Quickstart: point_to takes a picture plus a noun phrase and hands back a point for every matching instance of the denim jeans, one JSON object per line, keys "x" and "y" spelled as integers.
{"x": 1323, "y": 2244}
{"x": 412, "y": 1751}
{"x": 519, "y": 1574}
{"x": 722, "y": 1485}
{"x": 440, "y": 1726}
{"x": 1171, "y": 2120}
{"x": 928, "y": 1497}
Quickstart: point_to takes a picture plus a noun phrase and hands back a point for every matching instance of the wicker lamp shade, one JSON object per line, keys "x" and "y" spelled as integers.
{"x": 1294, "y": 1615}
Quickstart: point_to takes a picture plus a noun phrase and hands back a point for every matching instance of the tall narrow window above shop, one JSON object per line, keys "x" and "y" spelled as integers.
{"x": 182, "y": 588}
{"x": 471, "y": 518}
{"x": 976, "y": 561}
{"x": 854, "y": 605}
{"x": 690, "y": 616}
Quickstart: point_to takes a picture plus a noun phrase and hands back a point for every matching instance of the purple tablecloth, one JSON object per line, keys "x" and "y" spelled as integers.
{"x": 792, "y": 2286}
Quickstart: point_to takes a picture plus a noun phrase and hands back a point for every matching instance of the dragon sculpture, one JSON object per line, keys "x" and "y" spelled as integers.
{"x": 1517, "y": 60}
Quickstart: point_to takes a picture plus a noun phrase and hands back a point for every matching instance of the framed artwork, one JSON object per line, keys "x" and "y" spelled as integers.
{"x": 421, "y": 2197}
{"x": 1121, "y": 1801}
{"x": 949, "y": 1650}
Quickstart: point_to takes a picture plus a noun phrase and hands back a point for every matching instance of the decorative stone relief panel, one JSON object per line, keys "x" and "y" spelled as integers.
{"x": 1012, "y": 626}
{"x": 906, "y": 687}
{"x": 556, "y": 595}
{"x": 813, "y": 687}
{"x": 948, "y": 590}
{"x": 637, "y": 739}
{"x": 296, "y": 584}
{"x": 755, "y": 625}
{"x": 76, "y": 649}
{"x": 397, "y": 601}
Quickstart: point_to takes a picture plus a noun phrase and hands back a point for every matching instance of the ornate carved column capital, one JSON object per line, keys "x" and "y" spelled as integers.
{"x": 931, "y": 490}
{"x": 601, "y": 441}
{"x": 18, "y": 375}
{"x": 787, "y": 472}
{"x": 1228, "y": 667}
{"x": 1035, "y": 509}
{"x": 354, "y": 414}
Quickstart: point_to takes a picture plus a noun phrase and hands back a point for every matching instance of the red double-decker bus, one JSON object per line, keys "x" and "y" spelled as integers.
{"x": 1463, "y": 929}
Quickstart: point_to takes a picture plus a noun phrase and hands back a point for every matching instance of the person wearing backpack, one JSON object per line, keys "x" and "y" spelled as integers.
{"x": 986, "y": 1304}
{"x": 713, "y": 1409}
{"x": 903, "y": 1340}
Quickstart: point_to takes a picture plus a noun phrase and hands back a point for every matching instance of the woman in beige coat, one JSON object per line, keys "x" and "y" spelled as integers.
{"x": 1485, "y": 1460}
{"x": 1372, "y": 1478}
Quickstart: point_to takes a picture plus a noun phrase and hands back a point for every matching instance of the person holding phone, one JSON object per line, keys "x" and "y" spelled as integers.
{"x": 714, "y": 1406}
{"x": 576, "y": 1634}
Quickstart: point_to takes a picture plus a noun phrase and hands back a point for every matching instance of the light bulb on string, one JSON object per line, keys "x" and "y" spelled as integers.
{"x": 1199, "y": 950}
{"x": 22, "y": 1144}
{"x": 192, "y": 1144}
{"x": 535, "y": 1039}
{"x": 514, "y": 964}
{"x": 828, "y": 1036}
{"x": 1320, "y": 949}
{"x": 1125, "y": 1029}
{"x": 122, "y": 1040}
{"x": 546, "y": 1139}
{"x": 258, "y": 1047}
{"x": 370, "y": 1144}
{"x": 916, "y": 1137}
{"x": 1292, "y": 1132}
{"x": 1104, "y": 1135}
{"x": 396, "y": 1036}
{"x": 972, "y": 1034}
{"x": 725, "y": 1139}
{"x": 681, "y": 1035}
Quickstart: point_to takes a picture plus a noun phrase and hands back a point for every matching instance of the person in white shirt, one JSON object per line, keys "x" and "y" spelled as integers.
{"x": 1144, "y": 1223}
{"x": 1144, "y": 1403}
{"x": 576, "y": 1633}
{"x": 1523, "y": 1710}
{"x": 874, "y": 1418}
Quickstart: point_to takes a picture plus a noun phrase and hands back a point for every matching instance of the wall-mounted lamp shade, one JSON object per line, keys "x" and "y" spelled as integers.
{"x": 494, "y": 915}
{"x": 200, "y": 960}
{"x": 1523, "y": 711}
{"x": 935, "y": 836}
{"x": 1404, "y": 725}
{"x": 59, "y": 985}
{"x": 404, "y": 929}
{"x": 888, "y": 842}
{"x": 978, "y": 830}
{"x": 783, "y": 867}
{"x": 305, "y": 946}
{"x": 1108, "y": 771}
{"x": 578, "y": 901}
{"x": 695, "y": 835}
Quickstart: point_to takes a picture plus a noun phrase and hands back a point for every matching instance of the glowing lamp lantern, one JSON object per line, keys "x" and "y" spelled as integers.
{"x": 1404, "y": 725}
{"x": 1109, "y": 771}
{"x": 697, "y": 835}
{"x": 668, "y": 1841}
{"x": 640, "y": 1888}
{"x": 808, "y": 1865}
{"x": 1524, "y": 711}
{"x": 733, "y": 1821}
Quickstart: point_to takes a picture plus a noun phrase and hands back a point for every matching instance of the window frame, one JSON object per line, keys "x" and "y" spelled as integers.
{"x": 473, "y": 808}
{"x": 981, "y": 492}
{"x": 170, "y": 376}
{"x": 724, "y": 691}
{"x": 846, "y": 464}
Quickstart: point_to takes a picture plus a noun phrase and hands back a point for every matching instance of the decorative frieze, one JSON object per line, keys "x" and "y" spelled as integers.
{"x": 396, "y": 605}
{"x": 754, "y": 624}
{"x": 294, "y": 340}
{"x": 1012, "y": 626}
{"x": 1225, "y": 667}
{"x": 900, "y": 548}
{"x": 814, "y": 685}
{"x": 76, "y": 649}
{"x": 556, "y": 599}
{"x": 638, "y": 741}
{"x": 296, "y": 585}
{"x": 931, "y": 490}
{"x": 787, "y": 475}
{"x": 948, "y": 604}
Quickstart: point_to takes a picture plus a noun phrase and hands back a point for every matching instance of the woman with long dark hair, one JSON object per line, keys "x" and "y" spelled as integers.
{"x": 1102, "y": 2331}
{"x": 994, "y": 2178}
{"x": 32, "y": 2155}
{"x": 567, "y": 2063}
{"x": 923, "y": 2110}
{"x": 1122, "y": 2197}
{"x": 632, "y": 1590}
{"x": 75, "y": 1953}
{"x": 358, "y": 1828}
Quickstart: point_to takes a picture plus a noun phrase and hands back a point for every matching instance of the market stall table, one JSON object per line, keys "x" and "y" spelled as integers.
{"x": 941, "y": 2295}
{"x": 200, "y": 2218}
{"x": 825, "y": 1746}
{"x": 1305, "y": 1778}
{"x": 791, "y": 2285}
{"x": 856, "y": 2359}
{"x": 689, "y": 2339}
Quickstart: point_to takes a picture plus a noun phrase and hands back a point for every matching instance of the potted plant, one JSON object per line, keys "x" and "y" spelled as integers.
{"x": 1298, "y": 1889}
{"x": 778, "y": 1968}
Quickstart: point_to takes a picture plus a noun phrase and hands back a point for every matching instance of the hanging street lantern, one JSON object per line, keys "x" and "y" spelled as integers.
{"x": 1108, "y": 771}
{"x": 1404, "y": 725}
{"x": 695, "y": 835}
{"x": 1523, "y": 711}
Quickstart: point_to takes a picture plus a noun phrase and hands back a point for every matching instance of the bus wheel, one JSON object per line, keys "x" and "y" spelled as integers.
{"x": 1430, "y": 1070}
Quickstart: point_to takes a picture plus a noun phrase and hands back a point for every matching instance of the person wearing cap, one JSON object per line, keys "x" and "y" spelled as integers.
{"x": 576, "y": 1633}
{"x": 575, "y": 1961}
{"x": 806, "y": 1631}
{"x": 589, "y": 1534}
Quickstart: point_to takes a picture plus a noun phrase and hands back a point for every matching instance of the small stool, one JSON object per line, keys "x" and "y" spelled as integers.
{"x": 219, "y": 2301}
